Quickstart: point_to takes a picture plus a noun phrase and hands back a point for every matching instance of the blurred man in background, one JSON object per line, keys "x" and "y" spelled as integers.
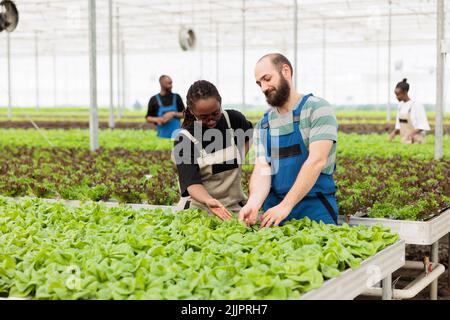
{"x": 165, "y": 109}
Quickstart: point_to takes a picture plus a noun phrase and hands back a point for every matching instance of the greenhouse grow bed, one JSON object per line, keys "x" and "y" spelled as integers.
{"x": 353, "y": 283}
{"x": 423, "y": 233}
{"x": 413, "y": 232}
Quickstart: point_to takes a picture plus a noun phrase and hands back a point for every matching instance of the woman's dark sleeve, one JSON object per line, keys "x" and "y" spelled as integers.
{"x": 188, "y": 170}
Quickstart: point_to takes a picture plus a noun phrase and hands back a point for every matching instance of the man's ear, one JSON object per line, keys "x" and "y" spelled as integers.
{"x": 286, "y": 71}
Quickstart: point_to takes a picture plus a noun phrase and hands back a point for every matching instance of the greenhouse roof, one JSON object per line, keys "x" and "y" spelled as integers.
{"x": 153, "y": 26}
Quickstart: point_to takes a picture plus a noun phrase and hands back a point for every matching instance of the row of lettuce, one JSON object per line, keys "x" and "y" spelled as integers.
{"x": 52, "y": 251}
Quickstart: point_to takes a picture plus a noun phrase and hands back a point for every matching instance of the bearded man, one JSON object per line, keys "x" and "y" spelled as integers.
{"x": 295, "y": 152}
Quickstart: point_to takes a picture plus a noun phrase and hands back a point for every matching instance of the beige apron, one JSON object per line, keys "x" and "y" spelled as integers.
{"x": 223, "y": 186}
{"x": 406, "y": 128}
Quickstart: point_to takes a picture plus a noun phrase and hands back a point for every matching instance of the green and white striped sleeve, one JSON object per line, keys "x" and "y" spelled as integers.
{"x": 323, "y": 126}
{"x": 323, "y": 122}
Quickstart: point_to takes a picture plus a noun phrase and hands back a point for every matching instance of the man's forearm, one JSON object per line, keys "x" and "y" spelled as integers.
{"x": 179, "y": 115}
{"x": 260, "y": 183}
{"x": 153, "y": 119}
{"x": 306, "y": 179}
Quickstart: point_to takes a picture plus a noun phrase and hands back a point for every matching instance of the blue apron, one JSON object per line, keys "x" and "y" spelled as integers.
{"x": 286, "y": 153}
{"x": 170, "y": 128}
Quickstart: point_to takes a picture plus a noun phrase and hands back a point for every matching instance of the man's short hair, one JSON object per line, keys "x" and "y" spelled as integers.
{"x": 278, "y": 60}
{"x": 162, "y": 77}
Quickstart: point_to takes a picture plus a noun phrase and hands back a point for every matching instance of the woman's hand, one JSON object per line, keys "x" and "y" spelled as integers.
{"x": 218, "y": 209}
{"x": 392, "y": 136}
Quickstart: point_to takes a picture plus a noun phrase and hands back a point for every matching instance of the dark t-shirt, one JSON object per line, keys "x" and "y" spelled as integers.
{"x": 188, "y": 169}
{"x": 153, "y": 106}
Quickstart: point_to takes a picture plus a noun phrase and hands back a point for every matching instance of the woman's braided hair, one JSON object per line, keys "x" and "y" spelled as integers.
{"x": 201, "y": 89}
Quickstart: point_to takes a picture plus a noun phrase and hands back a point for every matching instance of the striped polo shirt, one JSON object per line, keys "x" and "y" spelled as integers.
{"x": 317, "y": 122}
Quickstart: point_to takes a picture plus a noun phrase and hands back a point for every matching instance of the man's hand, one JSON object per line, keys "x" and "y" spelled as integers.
{"x": 275, "y": 215}
{"x": 249, "y": 214}
{"x": 159, "y": 121}
{"x": 168, "y": 116}
{"x": 218, "y": 209}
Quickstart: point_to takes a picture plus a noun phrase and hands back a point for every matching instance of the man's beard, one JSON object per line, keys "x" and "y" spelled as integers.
{"x": 281, "y": 94}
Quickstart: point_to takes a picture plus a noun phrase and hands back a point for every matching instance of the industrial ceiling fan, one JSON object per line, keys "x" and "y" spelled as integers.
{"x": 9, "y": 16}
{"x": 187, "y": 39}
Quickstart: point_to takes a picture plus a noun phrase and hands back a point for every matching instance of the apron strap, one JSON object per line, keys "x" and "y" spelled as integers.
{"x": 227, "y": 118}
{"x": 327, "y": 206}
{"x": 158, "y": 98}
{"x": 174, "y": 103}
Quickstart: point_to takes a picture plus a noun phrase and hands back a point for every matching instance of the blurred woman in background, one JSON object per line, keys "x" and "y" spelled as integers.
{"x": 412, "y": 122}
